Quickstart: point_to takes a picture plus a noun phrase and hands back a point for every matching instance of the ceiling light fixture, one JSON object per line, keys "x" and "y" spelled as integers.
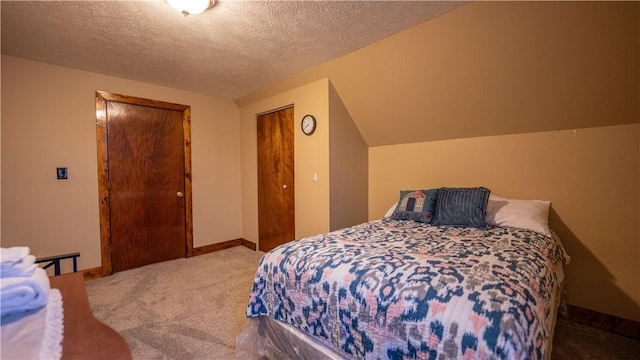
{"x": 191, "y": 7}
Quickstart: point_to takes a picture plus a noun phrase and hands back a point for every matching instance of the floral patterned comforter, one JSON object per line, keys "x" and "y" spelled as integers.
{"x": 393, "y": 289}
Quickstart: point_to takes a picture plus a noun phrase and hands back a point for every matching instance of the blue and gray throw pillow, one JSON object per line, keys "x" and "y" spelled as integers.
{"x": 462, "y": 206}
{"x": 418, "y": 205}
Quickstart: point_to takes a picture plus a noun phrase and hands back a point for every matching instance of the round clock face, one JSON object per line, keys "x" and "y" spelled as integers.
{"x": 308, "y": 124}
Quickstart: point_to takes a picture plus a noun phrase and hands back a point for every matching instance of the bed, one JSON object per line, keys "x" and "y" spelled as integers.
{"x": 413, "y": 285}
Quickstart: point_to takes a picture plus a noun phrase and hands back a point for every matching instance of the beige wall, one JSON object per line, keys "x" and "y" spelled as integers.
{"x": 335, "y": 152}
{"x": 48, "y": 120}
{"x": 311, "y": 157}
{"x": 591, "y": 177}
{"x": 349, "y": 167}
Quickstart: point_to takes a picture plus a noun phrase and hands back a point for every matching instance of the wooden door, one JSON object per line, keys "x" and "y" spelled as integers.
{"x": 276, "y": 206}
{"x": 145, "y": 181}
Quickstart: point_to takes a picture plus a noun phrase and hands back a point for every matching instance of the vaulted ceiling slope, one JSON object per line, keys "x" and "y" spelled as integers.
{"x": 491, "y": 68}
{"x": 231, "y": 50}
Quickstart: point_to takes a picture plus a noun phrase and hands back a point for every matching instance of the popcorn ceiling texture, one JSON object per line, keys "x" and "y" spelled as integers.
{"x": 229, "y": 51}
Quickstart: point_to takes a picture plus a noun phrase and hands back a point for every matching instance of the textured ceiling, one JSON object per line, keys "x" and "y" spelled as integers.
{"x": 231, "y": 50}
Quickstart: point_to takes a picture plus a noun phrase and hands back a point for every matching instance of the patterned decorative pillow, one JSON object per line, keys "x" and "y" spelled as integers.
{"x": 462, "y": 206}
{"x": 418, "y": 205}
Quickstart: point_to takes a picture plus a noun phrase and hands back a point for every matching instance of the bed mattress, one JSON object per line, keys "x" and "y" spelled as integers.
{"x": 403, "y": 289}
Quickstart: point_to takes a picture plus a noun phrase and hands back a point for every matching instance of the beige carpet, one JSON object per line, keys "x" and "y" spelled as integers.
{"x": 182, "y": 309}
{"x": 194, "y": 309}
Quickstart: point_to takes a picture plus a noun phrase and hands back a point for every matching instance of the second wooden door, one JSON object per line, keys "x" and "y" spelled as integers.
{"x": 276, "y": 190}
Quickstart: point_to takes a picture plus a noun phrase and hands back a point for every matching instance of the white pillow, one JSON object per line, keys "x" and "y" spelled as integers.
{"x": 391, "y": 210}
{"x": 525, "y": 214}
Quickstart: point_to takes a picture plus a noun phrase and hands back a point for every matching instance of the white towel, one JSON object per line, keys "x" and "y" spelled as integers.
{"x": 25, "y": 267}
{"x": 11, "y": 255}
{"x": 20, "y": 294}
{"x": 36, "y": 336}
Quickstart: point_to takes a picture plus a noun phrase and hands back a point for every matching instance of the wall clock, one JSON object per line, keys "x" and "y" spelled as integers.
{"x": 308, "y": 124}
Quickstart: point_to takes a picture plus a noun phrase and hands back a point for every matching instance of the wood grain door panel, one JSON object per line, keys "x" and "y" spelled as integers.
{"x": 144, "y": 164}
{"x": 276, "y": 188}
{"x": 146, "y": 173}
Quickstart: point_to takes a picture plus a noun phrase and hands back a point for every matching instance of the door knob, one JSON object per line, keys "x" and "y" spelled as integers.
{"x": 284, "y": 186}
{"x": 179, "y": 194}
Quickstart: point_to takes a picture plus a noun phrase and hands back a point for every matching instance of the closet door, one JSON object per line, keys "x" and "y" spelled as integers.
{"x": 276, "y": 190}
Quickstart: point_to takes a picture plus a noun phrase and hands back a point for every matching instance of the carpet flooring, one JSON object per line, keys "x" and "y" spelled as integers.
{"x": 576, "y": 341}
{"x": 194, "y": 309}
{"x": 181, "y": 309}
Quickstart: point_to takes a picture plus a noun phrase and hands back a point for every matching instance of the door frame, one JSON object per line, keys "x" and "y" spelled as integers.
{"x": 102, "y": 98}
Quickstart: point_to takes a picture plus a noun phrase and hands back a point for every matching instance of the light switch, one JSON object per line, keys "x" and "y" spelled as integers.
{"x": 62, "y": 173}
